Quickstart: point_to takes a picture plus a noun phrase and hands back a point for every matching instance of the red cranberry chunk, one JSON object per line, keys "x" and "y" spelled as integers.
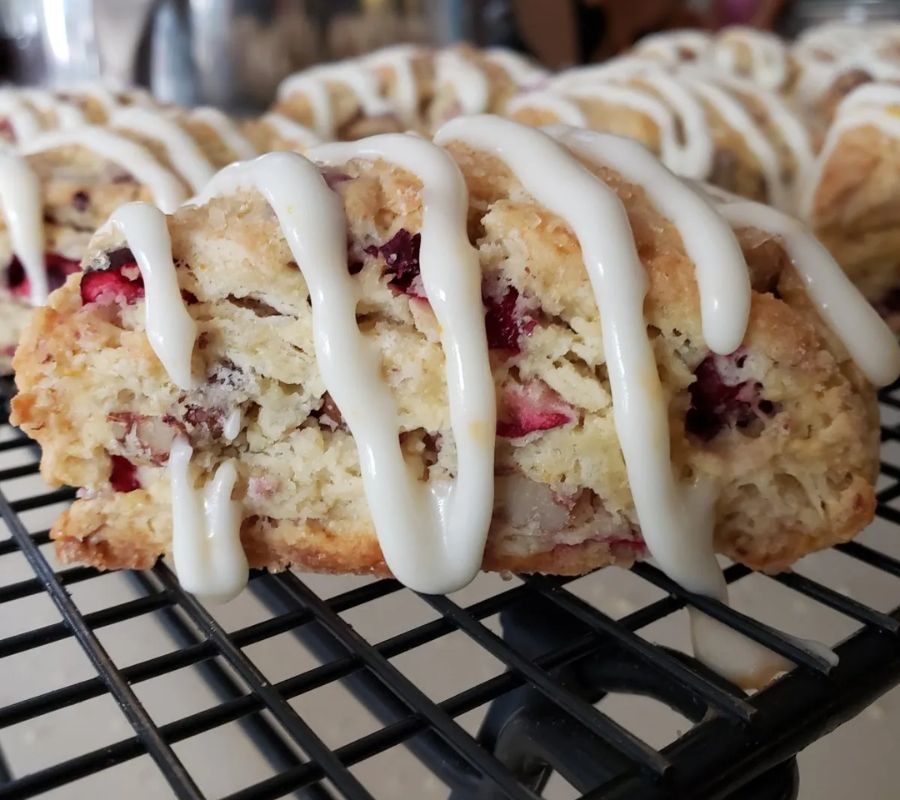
{"x": 720, "y": 400}
{"x": 505, "y": 323}
{"x": 401, "y": 258}
{"x": 529, "y": 407}
{"x": 58, "y": 269}
{"x": 124, "y": 475}
{"x": 81, "y": 200}
{"x": 121, "y": 281}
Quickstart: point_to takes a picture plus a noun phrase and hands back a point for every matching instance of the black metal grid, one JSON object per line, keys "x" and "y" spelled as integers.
{"x": 541, "y": 713}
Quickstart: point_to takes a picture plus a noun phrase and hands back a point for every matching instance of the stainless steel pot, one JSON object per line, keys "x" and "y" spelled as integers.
{"x": 230, "y": 53}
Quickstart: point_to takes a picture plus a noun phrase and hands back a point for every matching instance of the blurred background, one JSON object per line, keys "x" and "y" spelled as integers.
{"x": 232, "y": 53}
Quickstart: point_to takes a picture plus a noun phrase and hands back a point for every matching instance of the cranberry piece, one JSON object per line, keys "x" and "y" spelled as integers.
{"x": 504, "y": 323}
{"x": 401, "y": 256}
{"x": 529, "y": 407}
{"x": 81, "y": 200}
{"x": 889, "y": 303}
{"x": 720, "y": 400}
{"x": 58, "y": 269}
{"x": 124, "y": 475}
{"x": 333, "y": 176}
{"x": 122, "y": 280}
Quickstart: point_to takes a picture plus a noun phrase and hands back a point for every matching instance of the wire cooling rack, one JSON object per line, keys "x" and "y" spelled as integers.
{"x": 536, "y": 719}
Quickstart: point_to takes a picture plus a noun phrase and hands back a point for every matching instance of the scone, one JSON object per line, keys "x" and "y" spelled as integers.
{"x": 852, "y": 196}
{"x": 727, "y": 131}
{"x": 27, "y": 112}
{"x": 63, "y": 184}
{"x": 404, "y": 87}
{"x": 395, "y": 361}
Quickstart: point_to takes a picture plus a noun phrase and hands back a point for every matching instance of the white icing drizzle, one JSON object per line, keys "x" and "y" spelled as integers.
{"x": 566, "y": 110}
{"x": 671, "y": 151}
{"x": 206, "y": 529}
{"x": 184, "y": 153}
{"x": 669, "y": 45}
{"x": 166, "y": 188}
{"x": 676, "y": 521}
{"x": 22, "y": 206}
{"x": 868, "y": 340}
{"x": 694, "y": 158}
{"x": 739, "y": 120}
{"x": 768, "y": 55}
{"x": 232, "y": 426}
{"x": 790, "y": 127}
{"x": 67, "y": 115}
{"x": 170, "y": 329}
{"x": 226, "y": 130}
{"x": 98, "y": 92}
{"x": 291, "y": 130}
{"x": 432, "y": 534}
{"x": 521, "y": 70}
{"x": 314, "y": 84}
{"x": 23, "y": 121}
{"x": 708, "y": 239}
{"x": 452, "y": 546}
{"x": 468, "y": 81}
{"x": 855, "y": 117}
{"x": 399, "y": 59}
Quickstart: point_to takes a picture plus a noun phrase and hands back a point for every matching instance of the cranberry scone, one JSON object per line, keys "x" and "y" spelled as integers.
{"x": 852, "y": 195}
{"x": 724, "y": 130}
{"x": 62, "y": 185}
{"x": 510, "y": 350}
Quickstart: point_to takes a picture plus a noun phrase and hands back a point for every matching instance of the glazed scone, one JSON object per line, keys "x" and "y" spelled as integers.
{"x": 404, "y": 87}
{"x": 726, "y": 131}
{"x": 27, "y": 112}
{"x": 65, "y": 184}
{"x": 852, "y": 197}
{"x": 781, "y": 427}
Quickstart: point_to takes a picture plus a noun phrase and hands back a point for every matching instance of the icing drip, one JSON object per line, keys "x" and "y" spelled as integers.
{"x": 67, "y": 115}
{"x": 432, "y": 535}
{"x": 709, "y": 241}
{"x": 669, "y": 46}
{"x": 452, "y": 549}
{"x": 183, "y": 151}
{"x": 693, "y": 158}
{"x": 290, "y": 130}
{"x": 23, "y": 121}
{"x": 856, "y": 116}
{"x": 226, "y": 130}
{"x": 738, "y": 119}
{"x": 671, "y": 151}
{"x": 22, "y": 205}
{"x": 232, "y": 425}
{"x": 675, "y": 520}
{"x": 167, "y": 190}
{"x": 566, "y": 110}
{"x": 170, "y": 329}
{"x": 399, "y": 59}
{"x": 521, "y": 70}
{"x": 790, "y": 127}
{"x": 206, "y": 529}
{"x": 868, "y": 340}
{"x": 314, "y": 84}
{"x": 768, "y": 55}
{"x": 97, "y": 92}
{"x": 468, "y": 81}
